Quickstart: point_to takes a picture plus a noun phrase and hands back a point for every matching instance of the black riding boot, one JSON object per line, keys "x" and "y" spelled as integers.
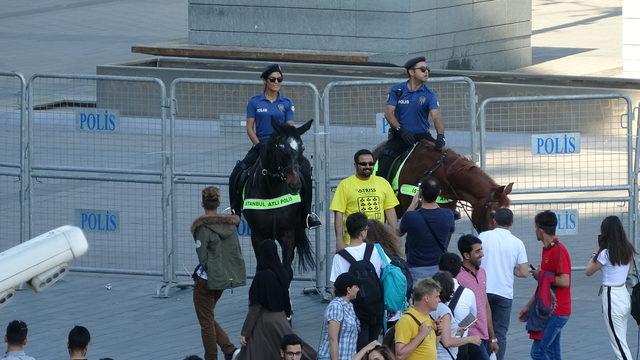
{"x": 311, "y": 220}
{"x": 235, "y": 196}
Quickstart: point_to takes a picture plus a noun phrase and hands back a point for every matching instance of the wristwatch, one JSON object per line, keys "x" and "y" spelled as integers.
{"x": 494, "y": 340}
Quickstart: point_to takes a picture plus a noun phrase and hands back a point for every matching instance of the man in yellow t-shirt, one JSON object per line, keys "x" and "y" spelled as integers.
{"x": 365, "y": 193}
{"x": 415, "y": 341}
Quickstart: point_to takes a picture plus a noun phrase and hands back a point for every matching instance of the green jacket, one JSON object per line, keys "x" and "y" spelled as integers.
{"x": 219, "y": 251}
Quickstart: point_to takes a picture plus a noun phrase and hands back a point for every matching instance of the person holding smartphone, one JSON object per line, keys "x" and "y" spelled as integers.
{"x": 450, "y": 333}
{"x": 613, "y": 255}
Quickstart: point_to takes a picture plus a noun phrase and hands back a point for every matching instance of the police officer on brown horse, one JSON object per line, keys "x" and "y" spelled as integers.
{"x": 409, "y": 106}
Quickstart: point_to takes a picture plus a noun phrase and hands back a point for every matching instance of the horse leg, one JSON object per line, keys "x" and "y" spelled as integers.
{"x": 256, "y": 240}
{"x": 287, "y": 243}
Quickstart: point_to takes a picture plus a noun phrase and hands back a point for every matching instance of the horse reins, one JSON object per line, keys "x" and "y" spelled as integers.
{"x": 436, "y": 166}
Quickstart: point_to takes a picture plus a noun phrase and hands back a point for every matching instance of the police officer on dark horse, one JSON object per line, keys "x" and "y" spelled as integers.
{"x": 261, "y": 109}
{"x": 409, "y": 106}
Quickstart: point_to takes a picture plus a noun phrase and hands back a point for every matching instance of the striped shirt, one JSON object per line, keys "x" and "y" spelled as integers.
{"x": 342, "y": 311}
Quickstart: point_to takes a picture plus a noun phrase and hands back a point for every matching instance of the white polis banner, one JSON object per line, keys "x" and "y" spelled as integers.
{"x": 567, "y": 222}
{"x": 555, "y": 144}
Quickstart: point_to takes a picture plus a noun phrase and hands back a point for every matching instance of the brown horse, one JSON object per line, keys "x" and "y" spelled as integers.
{"x": 460, "y": 178}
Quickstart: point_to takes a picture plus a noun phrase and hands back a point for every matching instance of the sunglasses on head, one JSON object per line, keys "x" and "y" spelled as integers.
{"x": 274, "y": 79}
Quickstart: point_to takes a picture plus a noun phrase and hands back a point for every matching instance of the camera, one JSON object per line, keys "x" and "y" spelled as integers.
{"x": 41, "y": 261}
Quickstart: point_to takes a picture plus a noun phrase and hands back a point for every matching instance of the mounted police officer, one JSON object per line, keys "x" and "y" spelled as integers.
{"x": 409, "y": 106}
{"x": 260, "y": 110}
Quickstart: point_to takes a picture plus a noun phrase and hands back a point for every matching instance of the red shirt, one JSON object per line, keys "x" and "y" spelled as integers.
{"x": 556, "y": 259}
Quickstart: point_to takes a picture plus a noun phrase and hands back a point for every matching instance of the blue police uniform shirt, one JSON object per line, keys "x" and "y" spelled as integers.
{"x": 412, "y": 107}
{"x": 261, "y": 109}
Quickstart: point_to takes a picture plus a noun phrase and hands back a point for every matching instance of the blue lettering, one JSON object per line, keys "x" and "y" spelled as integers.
{"x": 83, "y": 120}
{"x": 549, "y": 142}
{"x": 91, "y": 121}
{"x": 572, "y": 145}
{"x": 571, "y": 221}
{"x": 84, "y": 220}
{"x": 103, "y": 120}
{"x": 98, "y": 220}
{"x": 540, "y": 143}
{"x": 93, "y": 221}
{"x": 112, "y": 221}
{"x": 112, "y": 123}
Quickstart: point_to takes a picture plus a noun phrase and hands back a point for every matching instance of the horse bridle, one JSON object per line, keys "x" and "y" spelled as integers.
{"x": 439, "y": 164}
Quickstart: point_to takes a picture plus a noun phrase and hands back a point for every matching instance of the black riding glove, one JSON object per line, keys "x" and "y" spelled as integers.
{"x": 440, "y": 141}
{"x": 406, "y": 136}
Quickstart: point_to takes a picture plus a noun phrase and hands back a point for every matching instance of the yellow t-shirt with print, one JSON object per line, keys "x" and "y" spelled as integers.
{"x": 407, "y": 329}
{"x": 371, "y": 197}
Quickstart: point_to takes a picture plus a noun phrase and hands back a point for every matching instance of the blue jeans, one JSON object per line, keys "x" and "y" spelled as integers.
{"x": 549, "y": 347}
{"x": 421, "y": 272}
{"x": 479, "y": 352}
{"x": 500, "y": 315}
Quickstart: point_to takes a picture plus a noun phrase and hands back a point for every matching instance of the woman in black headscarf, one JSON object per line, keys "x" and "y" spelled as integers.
{"x": 269, "y": 306}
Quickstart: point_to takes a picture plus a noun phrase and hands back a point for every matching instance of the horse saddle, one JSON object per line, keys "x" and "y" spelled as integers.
{"x": 394, "y": 170}
{"x": 393, "y": 177}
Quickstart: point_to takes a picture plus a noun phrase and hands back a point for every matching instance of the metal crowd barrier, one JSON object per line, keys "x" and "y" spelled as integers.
{"x": 208, "y": 122}
{"x": 572, "y": 154}
{"x": 13, "y": 144}
{"x": 97, "y": 158}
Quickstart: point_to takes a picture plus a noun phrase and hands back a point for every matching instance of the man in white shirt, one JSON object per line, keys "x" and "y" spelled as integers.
{"x": 357, "y": 228}
{"x": 504, "y": 257}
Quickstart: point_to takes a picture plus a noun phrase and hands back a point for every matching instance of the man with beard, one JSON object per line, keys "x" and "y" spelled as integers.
{"x": 365, "y": 193}
{"x": 409, "y": 106}
{"x": 473, "y": 277}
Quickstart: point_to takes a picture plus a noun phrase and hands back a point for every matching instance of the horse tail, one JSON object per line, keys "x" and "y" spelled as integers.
{"x": 306, "y": 260}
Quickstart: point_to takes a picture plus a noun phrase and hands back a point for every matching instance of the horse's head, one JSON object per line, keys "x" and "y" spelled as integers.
{"x": 483, "y": 215}
{"x": 284, "y": 152}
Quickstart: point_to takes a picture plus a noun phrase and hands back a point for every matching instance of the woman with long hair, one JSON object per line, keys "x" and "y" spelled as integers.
{"x": 613, "y": 255}
{"x": 379, "y": 233}
{"x": 382, "y": 234}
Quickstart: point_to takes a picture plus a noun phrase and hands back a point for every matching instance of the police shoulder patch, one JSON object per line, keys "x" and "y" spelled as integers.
{"x": 293, "y": 108}
{"x": 198, "y": 244}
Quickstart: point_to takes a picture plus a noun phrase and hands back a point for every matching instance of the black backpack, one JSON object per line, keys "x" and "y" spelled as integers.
{"x": 402, "y": 264}
{"x": 368, "y": 305}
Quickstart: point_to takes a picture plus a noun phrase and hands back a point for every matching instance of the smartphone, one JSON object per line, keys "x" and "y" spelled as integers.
{"x": 532, "y": 267}
{"x": 467, "y": 321}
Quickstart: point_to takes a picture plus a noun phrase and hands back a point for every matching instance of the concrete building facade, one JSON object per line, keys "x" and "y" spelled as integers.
{"x": 453, "y": 34}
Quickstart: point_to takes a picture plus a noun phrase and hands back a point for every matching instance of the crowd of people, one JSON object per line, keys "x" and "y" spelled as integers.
{"x": 421, "y": 300}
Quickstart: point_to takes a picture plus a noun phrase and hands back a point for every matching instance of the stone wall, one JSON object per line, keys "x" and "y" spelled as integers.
{"x": 454, "y": 34}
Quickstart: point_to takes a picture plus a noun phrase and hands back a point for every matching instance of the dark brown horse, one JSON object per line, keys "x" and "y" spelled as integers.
{"x": 460, "y": 178}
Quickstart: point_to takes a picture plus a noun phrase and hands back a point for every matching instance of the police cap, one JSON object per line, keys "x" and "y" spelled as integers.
{"x": 412, "y": 62}
{"x": 270, "y": 69}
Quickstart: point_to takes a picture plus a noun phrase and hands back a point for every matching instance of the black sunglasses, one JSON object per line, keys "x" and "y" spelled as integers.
{"x": 424, "y": 69}
{"x": 366, "y": 163}
{"x": 274, "y": 79}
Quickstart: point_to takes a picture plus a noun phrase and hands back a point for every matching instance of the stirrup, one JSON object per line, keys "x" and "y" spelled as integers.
{"x": 313, "y": 221}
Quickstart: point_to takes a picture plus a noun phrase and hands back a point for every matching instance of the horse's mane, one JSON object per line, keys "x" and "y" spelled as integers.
{"x": 456, "y": 162}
